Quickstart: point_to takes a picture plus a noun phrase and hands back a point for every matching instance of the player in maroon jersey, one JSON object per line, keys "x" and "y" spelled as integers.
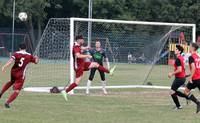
{"x": 80, "y": 65}
{"x": 179, "y": 73}
{"x": 21, "y": 59}
{"x": 194, "y": 80}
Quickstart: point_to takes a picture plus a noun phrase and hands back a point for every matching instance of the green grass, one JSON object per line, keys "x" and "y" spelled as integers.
{"x": 119, "y": 106}
{"x": 126, "y": 74}
{"x": 124, "y": 106}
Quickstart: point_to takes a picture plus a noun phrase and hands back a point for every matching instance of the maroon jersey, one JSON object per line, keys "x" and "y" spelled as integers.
{"x": 22, "y": 59}
{"x": 194, "y": 58}
{"x": 78, "y": 62}
{"x": 180, "y": 62}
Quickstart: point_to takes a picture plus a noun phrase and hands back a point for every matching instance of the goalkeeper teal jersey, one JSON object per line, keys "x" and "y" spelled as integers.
{"x": 98, "y": 55}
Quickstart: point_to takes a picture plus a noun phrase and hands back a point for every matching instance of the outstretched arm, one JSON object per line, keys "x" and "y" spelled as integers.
{"x": 7, "y": 64}
{"x": 82, "y": 56}
{"x": 85, "y": 48}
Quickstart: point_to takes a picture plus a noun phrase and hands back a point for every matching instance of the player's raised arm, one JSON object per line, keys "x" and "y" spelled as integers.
{"x": 10, "y": 61}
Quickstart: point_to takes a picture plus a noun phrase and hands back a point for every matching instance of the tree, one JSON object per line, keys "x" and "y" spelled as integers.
{"x": 35, "y": 10}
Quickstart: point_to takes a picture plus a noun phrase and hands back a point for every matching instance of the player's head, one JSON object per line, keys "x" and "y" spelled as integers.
{"x": 79, "y": 39}
{"x": 179, "y": 50}
{"x": 22, "y": 46}
{"x": 193, "y": 47}
{"x": 97, "y": 43}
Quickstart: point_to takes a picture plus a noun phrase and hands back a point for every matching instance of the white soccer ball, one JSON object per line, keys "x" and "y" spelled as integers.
{"x": 23, "y": 16}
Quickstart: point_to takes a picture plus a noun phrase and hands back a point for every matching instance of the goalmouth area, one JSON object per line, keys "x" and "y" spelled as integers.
{"x": 148, "y": 42}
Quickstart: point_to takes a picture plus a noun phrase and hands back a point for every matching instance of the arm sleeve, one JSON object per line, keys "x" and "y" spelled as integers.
{"x": 14, "y": 56}
{"x": 191, "y": 60}
{"x": 178, "y": 62}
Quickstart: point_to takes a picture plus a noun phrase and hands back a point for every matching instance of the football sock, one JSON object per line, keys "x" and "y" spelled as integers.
{"x": 193, "y": 98}
{"x": 72, "y": 86}
{"x": 175, "y": 99}
{"x": 180, "y": 94}
{"x": 103, "y": 83}
{"x": 88, "y": 86}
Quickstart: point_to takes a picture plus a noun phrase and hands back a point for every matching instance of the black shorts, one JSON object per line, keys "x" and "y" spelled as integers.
{"x": 178, "y": 82}
{"x": 194, "y": 84}
{"x": 92, "y": 73}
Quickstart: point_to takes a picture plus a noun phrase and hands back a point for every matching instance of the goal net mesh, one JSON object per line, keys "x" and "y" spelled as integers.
{"x": 143, "y": 54}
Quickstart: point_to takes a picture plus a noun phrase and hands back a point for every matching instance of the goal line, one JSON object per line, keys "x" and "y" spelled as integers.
{"x": 47, "y": 89}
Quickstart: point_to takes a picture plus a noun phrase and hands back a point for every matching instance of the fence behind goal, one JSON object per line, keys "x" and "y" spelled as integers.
{"x": 142, "y": 51}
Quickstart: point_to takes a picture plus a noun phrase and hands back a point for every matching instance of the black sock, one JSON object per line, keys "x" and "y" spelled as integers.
{"x": 175, "y": 99}
{"x": 193, "y": 98}
{"x": 180, "y": 94}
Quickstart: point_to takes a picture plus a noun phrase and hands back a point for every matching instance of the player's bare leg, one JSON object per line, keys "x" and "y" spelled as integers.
{"x": 12, "y": 97}
{"x": 71, "y": 87}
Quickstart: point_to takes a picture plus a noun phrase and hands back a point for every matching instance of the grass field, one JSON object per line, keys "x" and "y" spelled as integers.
{"x": 119, "y": 106}
{"x": 126, "y": 74}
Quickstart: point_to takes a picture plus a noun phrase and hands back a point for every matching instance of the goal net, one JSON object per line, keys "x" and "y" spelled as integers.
{"x": 142, "y": 51}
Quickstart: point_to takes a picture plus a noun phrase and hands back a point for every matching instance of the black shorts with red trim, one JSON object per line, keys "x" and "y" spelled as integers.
{"x": 194, "y": 84}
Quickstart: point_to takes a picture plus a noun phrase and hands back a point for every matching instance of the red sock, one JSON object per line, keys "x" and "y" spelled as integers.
{"x": 103, "y": 69}
{"x": 6, "y": 86}
{"x": 72, "y": 86}
{"x": 12, "y": 97}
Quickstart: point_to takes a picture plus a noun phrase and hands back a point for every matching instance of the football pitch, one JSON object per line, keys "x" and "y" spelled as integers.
{"x": 119, "y": 106}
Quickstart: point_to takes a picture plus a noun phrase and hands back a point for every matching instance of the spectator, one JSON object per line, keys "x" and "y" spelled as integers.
{"x": 181, "y": 39}
{"x": 130, "y": 58}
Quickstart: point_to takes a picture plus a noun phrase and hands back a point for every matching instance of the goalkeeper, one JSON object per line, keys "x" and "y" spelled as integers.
{"x": 98, "y": 55}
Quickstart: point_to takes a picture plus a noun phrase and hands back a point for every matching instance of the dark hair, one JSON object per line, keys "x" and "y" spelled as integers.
{"x": 195, "y": 46}
{"x": 180, "y": 48}
{"x": 97, "y": 40}
{"x": 22, "y": 46}
{"x": 79, "y": 37}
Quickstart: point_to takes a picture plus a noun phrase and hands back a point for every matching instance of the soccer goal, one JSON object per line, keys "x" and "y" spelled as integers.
{"x": 149, "y": 45}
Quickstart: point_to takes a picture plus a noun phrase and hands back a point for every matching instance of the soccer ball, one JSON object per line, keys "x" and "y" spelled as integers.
{"x": 22, "y": 16}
